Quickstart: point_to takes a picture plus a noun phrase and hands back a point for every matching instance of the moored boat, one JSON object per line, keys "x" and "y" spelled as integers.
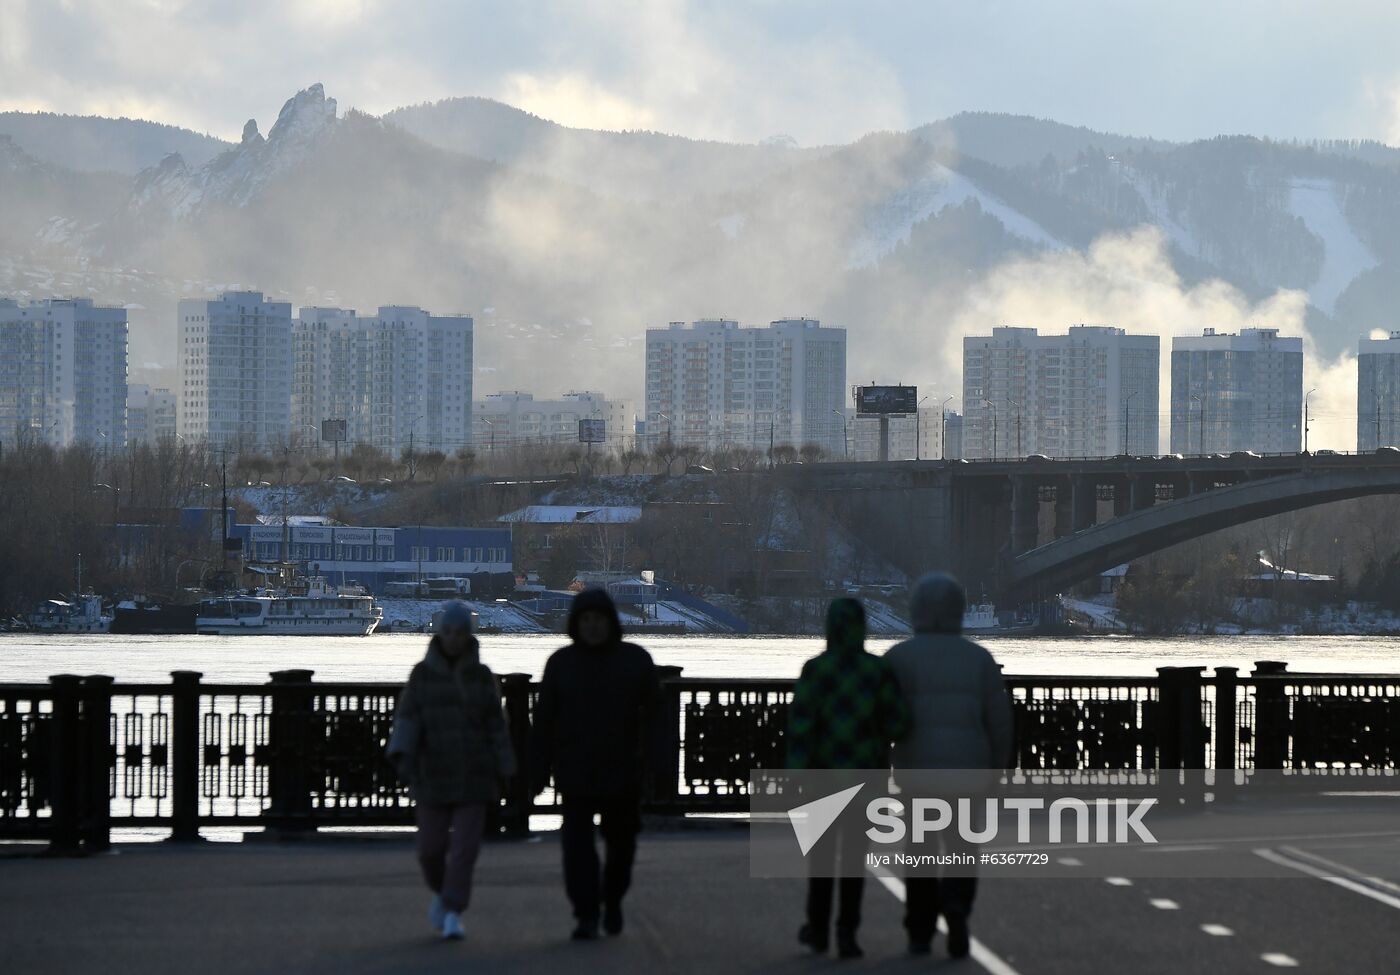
{"x": 318, "y": 611}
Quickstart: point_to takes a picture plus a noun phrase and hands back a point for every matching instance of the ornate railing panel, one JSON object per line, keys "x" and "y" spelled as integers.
{"x": 80, "y": 754}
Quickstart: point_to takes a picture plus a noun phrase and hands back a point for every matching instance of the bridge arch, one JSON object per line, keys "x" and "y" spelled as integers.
{"x": 1073, "y": 558}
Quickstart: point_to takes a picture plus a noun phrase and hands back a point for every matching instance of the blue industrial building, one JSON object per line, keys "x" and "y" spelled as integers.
{"x": 371, "y": 557}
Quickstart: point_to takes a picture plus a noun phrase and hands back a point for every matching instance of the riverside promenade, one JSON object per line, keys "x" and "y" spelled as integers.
{"x": 356, "y": 905}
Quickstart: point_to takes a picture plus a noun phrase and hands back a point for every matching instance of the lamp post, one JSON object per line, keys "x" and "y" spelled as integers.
{"x": 1306, "y": 418}
{"x": 993, "y": 407}
{"x": 412, "y": 457}
{"x": 845, "y": 434}
{"x": 1200, "y": 424}
{"x": 1125, "y": 420}
{"x": 943, "y": 434}
{"x": 918, "y": 419}
{"x": 1017, "y": 406}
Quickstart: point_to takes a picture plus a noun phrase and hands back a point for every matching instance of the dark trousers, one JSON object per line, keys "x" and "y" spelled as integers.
{"x": 927, "y": 897}
{"x": 449, "y": 841}
{"x": 837, "y": 865}
{"x": 590, "y": 884}
{"x": 932, "y": 891}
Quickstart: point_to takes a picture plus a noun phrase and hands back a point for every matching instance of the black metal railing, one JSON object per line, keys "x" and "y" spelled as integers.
{"x": 81, "y": 755}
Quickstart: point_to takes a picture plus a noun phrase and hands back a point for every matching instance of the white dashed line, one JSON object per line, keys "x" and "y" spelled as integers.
{"x": 1118, "y": 881}
{"x": 981, "y": 954}
{"x": 1217, "y": 930}
{"x": 1279, "y": 960}
{"x": 1070, "y": 862}
{"x": 1164, "y": 904}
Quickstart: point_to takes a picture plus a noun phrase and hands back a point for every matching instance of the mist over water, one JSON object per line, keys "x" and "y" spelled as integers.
{"x": 388, "y": 657}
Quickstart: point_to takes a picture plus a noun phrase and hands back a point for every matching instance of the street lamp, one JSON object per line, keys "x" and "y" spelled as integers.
{"x": 1125, "y": 420}
{"x": 845, "y": 435}
{"x": 993, "y": 407}
{"x": 412, "y": 463}
{"x": 1306, "y": 418}
{"x": 917, "y": 429}
{"x": 1200, "y": 424}
{"x": 1012, "y": 403}
{"x": 943, "y": 435}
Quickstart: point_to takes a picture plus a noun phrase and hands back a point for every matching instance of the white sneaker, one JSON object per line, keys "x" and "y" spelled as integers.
{"x": 452, "y": 927}
{"x": 437, "y": 912}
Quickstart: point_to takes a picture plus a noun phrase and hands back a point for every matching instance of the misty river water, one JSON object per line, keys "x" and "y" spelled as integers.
{"x": 30, "y": 658}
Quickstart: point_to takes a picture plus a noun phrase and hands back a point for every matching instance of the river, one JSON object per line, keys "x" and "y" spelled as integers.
{"x": 28, "y": 657}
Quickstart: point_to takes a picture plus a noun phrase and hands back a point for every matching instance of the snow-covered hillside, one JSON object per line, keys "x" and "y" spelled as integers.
{"x": 891, "y": 223}
{"x": 1315, "y": 202}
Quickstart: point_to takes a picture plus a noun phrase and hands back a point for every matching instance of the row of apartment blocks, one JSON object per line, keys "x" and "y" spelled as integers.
{"x": 1093, "y": 392}
{"x": 714, "y": 383}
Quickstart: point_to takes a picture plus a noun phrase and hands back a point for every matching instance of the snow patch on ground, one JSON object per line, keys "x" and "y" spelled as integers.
{"x": 1345, "y": 256}
{"x": 1179, "y": 234}
{"x": 490, "y": 614}
{"x": 891, "y": 223}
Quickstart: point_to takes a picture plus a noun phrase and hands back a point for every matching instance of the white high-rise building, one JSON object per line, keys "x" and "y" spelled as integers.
{"x": 515, "y": 418}
{"x": 150, "y": 414}
{"x": 912, "y": 437}
{"x": 63, "y": 371}
{"x": 1378, "y": 393}
{"x": 397, "y": 378}
{"x": 1237, "y": 392}
{"x": 235, "y": 370}
{"x": 1089, "y": 393}
{"x": 715, "y": 384}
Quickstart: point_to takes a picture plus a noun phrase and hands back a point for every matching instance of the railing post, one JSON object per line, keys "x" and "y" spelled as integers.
{"x": 515, "y": 816}
{"x": 1226, "y": 729}
{"x": 290, "y": 807}
{"x": 184, "y": 773}
{"x": 95, "y": 824}
{"x": 67, "y": 764}
{"x": 665, "y": 779}
{"x": 1270, "y": 716}
{"x": 1168, "y": 718}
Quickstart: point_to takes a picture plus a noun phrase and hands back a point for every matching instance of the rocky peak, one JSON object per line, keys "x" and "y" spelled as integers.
{"x": 304, "y": 115}
{"x": 251, "y": 133}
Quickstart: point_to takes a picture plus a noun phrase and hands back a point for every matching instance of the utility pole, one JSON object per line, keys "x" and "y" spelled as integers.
{"x": 1378, "y": 420}
{"x": 943, "y": 434}
{"x": 1200, "y": 423}
{"x": 1306, "y": 418}
{"x": 1125, "y": 421}
{"x": 993, "y": 407}
{"x": 918, "y": 429}
{"x": 845, "y": 435}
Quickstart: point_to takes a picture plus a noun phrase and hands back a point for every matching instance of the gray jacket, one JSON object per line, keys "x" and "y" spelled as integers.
{"x": 960, "y": 714}
{"x": 450, "y": 739}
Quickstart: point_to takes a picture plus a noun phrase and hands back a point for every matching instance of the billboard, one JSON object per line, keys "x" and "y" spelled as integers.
{"x": 592, "y": 431}
{"x": 333, "y": 430}
{"x": 887, "y": 399}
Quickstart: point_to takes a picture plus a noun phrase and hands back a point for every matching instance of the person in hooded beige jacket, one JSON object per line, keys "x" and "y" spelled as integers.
{"x": 960, "y": 718}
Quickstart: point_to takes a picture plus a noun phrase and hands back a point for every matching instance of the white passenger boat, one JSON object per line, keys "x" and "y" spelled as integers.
{"x": 319, "y": 611}
{"x": 980, "y": 616}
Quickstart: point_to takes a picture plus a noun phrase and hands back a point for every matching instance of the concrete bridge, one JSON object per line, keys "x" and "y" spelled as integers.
{"x": 1028, "y": 528}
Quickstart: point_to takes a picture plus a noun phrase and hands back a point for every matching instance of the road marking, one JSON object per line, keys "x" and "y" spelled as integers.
{"x": 1070, "y": 862}
{"x": 1355, "y": 874}
{"x": 981, "y": 954}
{"x": 1390, "y": 900}
{"x": 1118, "y": 881}
{"x": 1217, "y": 930}
{"x": 1279, "y": 959}
{"x": 1164, "y": 904}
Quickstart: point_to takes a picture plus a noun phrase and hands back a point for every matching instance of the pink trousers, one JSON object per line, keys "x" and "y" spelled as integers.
{"x": 449, "y": 840}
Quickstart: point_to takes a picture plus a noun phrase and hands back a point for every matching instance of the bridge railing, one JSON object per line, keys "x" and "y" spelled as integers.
{"x": 81, "y": 755}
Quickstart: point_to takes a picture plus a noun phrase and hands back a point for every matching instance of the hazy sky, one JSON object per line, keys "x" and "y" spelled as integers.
{"x": 818, "y": 70}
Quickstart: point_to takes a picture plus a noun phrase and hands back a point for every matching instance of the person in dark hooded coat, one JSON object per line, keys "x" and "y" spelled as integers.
{"x": 961, "y": 719}
{"x": 595, "y": 732}
{"x": 451, "y": 744}
{"x": 846, "y": 710}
